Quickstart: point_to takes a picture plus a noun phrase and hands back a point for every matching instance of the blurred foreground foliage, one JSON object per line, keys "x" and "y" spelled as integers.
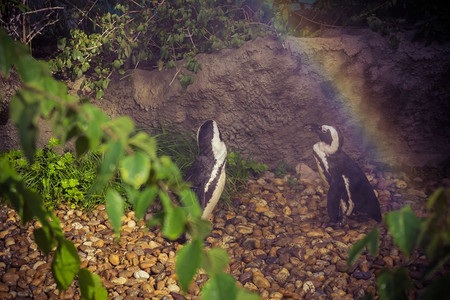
{"x": 428, "y": 236}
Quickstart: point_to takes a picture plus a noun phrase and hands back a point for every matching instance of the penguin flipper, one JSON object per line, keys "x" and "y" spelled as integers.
{"x": 196, "y": 176}
{"x": 333, "y": 201}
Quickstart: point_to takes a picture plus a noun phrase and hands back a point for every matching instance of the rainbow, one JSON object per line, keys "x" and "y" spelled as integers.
{"x": 343, "y": 82}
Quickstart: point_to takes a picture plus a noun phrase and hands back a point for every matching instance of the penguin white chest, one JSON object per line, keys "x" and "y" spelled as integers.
{"x": 215, "y": 196}
{"x": 321, "y": 161}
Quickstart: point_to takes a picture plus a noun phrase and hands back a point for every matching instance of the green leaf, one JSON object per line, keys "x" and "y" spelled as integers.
{"x": 190, "y": 203}
{"x": 91, "y": 286}
{"x": 174, "y": 222}
{"x": 437, "y": 288}
{"x": 243, "y": 294}
{"x": 115, "y": 209}
{"x": 108, "y": 166}
{"x": 442, "y": 256}
{"x": 144, "y": 142}
{"x": 198, "y": 228}
{"x": 81, "y": 145}
{"x": 165, "y": 169}
{"x": 30, "y": 69}
{"x": 135, "y": 169}
{"x": 61, "y": 44}
{"x": 26, "y": 202}
{"x": 215, "y": 261}
{"x": 165, "y": 201}
{"x": 188, "y": 261}
{"x": 99, "y": 94}
{"x": 144, "y": 200}
{"x": 25, "y": 116}
{"x": 220, "y": 287}
{"x": 122, "y": 127}
{"x": 91, "y": 120}
{"x": 44, "y": 239}
{"x": 371, "y": 241}
{"x": 66, "y": 264}
{"x": 157, "y": 219}
{"x": 404, "y": 227}
{"x": 8, "y": 52}
{"x": 438, "y": 202}
{"x": 394, "y": 284}
{"x": 8, "y": 171}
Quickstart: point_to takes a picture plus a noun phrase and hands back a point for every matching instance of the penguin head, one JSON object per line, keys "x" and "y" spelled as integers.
{"x": 209, "y": 138}
{"x": 329, "y": 136}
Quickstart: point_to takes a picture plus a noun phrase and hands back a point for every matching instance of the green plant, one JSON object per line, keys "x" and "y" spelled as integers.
{"x": 429, "y": 235}
{"x": 180, "y": 146}
{"x": 132, "y": 157}
{"x": 166, "y": 34}
{"x": 282, "y": 169}
{"x": 292, "y": 182}
{"x": 238, "y": 172}
{"x": 60, "y": 177}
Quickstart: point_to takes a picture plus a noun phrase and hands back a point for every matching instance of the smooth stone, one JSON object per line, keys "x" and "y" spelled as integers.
{"x": 119, "y": 281}
{"x": 282, "y": 276}
{"x": 140, "y": 274}
{"x": 114, "y": 259}
{"x": 261, "y": 282}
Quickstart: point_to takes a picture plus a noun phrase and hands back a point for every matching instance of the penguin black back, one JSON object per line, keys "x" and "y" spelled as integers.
{"x": 349, "y": 190}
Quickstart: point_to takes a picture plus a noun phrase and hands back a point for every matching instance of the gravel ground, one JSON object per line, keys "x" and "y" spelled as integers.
{"x": 275, "y": 235}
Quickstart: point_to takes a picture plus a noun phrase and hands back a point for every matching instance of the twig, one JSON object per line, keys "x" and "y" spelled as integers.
{"x": 82, "y": 12}
{"x": 175, "y": 76}
{"x": 190, "y": 37}
{"x": 42, "y": 9}
{"x": 32, "y": 35}
{"x": 141, "y": 6}
{"x": 86, "y": 13}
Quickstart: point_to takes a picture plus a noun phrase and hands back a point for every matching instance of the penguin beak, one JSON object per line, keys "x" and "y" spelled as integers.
{"x": 312, "y": 127}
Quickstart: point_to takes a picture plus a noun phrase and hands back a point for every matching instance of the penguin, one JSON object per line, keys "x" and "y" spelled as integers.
{"x": 207, "y": 172}
{"x": 349, "y": 189}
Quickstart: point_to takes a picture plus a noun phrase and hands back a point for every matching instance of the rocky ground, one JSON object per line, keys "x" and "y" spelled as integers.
{"x": 275, "y": 235}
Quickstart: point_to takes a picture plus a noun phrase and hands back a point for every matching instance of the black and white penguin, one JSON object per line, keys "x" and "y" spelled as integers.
{"x": 349, "y": 190}
{"x": 207, "y": 173}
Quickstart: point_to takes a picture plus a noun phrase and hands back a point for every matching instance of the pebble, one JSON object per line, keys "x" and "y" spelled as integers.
{"x": 10, "y": 278}
{"x": 282, "y": 276}
{"x": 287, "y": 211}
{"x": 154, "y": 245}
{"x": 99, "y": 244}
{"x": 77, "y": 225}
{"x": 308, "y": 287}
{"x": 173, "y": 288}
{"x": 276, "y": 238}
{"x": 260, "y": 281}
{"x": 131, "y": 224}
{"x": 140, "y": 274}
{"x": 362, "y": 275}
{"x": 114, "y": 259}
{"x": 9, "y": 242}
{"x": 3, "y": 234}
{"x": 401, "y": 184}
{"x": 246, "y": 277}
{"x": 244, "y": 229}
{"x": 119, "y": 281}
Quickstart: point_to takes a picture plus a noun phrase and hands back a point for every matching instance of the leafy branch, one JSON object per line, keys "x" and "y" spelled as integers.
{"x": 162, "y": 33}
